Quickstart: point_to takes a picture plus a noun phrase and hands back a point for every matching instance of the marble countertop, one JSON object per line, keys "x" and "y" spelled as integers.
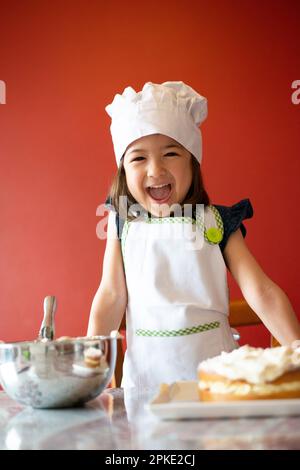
{"x": 118, "y": 421}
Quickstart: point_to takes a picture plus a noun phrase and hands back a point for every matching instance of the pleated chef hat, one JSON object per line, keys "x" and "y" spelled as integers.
{"x": 171, "y": 108}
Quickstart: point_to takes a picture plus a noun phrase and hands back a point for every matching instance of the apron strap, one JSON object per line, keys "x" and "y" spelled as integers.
{"x": 213, "y": 234}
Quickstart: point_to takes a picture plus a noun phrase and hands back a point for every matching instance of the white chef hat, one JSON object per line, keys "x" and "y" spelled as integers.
{"x": 171, "y": 108}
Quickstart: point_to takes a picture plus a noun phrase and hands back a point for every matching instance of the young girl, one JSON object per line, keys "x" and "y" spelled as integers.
{"x": 165, "y": 267}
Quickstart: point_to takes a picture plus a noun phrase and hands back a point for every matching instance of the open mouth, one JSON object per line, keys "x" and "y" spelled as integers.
{"x": 160, "y": 193}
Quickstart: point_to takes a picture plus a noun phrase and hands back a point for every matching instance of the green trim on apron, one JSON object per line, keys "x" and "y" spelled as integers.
{"x": 182, "y": 332}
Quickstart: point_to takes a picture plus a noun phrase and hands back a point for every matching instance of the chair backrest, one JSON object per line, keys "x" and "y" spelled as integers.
{"x": 240, "y": 314}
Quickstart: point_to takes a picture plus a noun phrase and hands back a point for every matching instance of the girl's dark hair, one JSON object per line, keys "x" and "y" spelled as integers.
{"x": 195, "y": 195}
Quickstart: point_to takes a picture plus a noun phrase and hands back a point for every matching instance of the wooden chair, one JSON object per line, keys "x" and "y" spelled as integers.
{"x": 240, "y": 314}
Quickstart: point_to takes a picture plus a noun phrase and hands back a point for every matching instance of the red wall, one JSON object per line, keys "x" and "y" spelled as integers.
{"x": 62, "y": 63}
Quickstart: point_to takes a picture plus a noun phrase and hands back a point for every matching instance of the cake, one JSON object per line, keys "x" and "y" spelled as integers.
{"x": 249, "y": 373}
{"x": 92, "y": 357}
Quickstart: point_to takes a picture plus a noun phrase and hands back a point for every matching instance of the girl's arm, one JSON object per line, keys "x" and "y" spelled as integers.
{"x": 110, "y": 300}
{"x": 265, "y": 297}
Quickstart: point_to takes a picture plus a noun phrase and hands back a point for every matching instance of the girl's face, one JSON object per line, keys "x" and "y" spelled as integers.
{"x": 158, "y": 172}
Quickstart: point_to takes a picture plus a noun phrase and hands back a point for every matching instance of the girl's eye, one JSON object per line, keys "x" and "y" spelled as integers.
{"x": 136, "y": 159}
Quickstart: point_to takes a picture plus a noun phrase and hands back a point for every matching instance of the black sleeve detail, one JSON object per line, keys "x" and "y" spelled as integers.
{"x": 108, "y": 204}
{"x": 232, "y": 217}
{"x": 119, "y": 224}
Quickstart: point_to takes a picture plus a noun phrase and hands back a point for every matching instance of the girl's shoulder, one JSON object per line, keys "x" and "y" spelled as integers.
{"x": 232, "y": 217}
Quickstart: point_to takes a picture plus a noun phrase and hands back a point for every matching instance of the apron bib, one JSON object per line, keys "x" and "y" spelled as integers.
{"x": 178, "y": 299}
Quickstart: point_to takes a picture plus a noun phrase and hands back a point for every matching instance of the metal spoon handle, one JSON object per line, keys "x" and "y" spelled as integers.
{"x": 47, "y": 330}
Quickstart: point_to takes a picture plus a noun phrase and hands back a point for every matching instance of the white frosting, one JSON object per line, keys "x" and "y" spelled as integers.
{"x": 247, "y": 388}
{"x": 255, "y": 365}
{"x": 92, "y": 353}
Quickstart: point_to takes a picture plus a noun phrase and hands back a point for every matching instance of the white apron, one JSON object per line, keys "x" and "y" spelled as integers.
{"x": 178, "y": 300}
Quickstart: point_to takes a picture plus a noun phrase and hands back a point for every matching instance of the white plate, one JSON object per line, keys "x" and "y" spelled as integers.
{"x": 180, "y": 401}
